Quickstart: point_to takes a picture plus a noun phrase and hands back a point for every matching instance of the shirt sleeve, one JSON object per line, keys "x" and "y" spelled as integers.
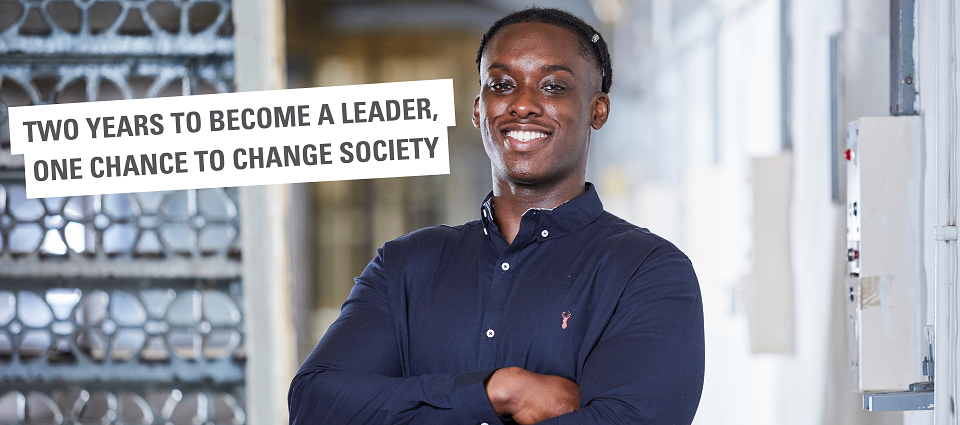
{"x": 355, "y": 376}
{"x": 647, "y": 367}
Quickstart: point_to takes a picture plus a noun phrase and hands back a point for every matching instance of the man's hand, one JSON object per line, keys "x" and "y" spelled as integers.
{"x": 529, "y": 397}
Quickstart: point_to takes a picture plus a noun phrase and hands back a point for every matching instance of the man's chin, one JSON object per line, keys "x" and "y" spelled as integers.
{"x": 529, "y": 178}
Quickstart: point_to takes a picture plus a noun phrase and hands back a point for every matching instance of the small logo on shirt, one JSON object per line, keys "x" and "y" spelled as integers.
{"x": 565, "y": 315}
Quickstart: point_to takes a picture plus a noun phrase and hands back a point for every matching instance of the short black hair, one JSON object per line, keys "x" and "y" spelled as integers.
{"x": 592, "y": 46}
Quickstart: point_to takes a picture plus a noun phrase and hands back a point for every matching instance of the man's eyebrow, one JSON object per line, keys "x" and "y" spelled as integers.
{"x": 546, "y": 69}
{"x": 553, "y": 68}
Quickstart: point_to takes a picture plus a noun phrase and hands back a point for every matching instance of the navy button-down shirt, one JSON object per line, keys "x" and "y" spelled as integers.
{"x": 579, "y": 293}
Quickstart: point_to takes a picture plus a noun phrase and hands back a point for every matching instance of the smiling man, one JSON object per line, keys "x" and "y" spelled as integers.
{"x": 545, "y": 310}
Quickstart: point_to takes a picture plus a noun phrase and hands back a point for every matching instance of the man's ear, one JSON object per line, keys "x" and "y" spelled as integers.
{"x": 601, "y": 110}
{"x": 476, "y": 111}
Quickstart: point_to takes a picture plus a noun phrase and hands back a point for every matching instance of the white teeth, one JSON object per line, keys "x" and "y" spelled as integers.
{"x": 526, "y": 136}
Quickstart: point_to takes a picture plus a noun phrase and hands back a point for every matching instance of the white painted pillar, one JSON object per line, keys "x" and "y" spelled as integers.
{"x": 265, "y": 211}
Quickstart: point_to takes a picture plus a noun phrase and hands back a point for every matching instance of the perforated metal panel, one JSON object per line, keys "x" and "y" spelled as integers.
{"x": 117, "y": 308}
{"x": 183, "y": 234}
{"x": 84, "y": 50}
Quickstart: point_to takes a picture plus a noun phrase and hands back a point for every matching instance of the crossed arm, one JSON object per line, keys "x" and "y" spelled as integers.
{"x": 646, "y": 368}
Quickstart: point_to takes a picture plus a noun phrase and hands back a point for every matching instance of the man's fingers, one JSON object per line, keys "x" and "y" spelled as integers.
{"x": 530, "y": 397}
{"x": 548, "y": 397}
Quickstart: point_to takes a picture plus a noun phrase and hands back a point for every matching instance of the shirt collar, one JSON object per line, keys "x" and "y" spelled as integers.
{"x": 566, "y": 218}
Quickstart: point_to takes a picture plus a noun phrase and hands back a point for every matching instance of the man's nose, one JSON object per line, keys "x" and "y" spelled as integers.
{"x": 526, "y": 103}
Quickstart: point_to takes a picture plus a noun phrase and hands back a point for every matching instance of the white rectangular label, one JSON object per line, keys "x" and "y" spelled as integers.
{"x": 235, "y": 139}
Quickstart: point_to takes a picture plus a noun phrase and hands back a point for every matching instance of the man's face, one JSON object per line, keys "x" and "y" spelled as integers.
{"x": 538, "y": 100}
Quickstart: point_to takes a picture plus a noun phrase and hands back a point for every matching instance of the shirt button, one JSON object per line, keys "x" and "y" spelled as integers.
{"x": 544, "y": 233}
{"x": 490, "y": 333}
{"x": 505, "y": 266}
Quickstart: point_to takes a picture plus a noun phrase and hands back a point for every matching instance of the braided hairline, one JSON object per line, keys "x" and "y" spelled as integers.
{"x": 596, "y": 52}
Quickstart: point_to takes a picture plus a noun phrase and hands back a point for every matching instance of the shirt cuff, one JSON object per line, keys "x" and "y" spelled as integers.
{"x": 470, "y": 401}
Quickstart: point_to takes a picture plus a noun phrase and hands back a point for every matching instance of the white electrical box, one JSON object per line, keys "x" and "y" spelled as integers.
{"x": 884, "y": 236}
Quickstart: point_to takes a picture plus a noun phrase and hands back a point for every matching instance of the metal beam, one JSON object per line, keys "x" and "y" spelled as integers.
{"x": 103, "y": 266}
{"x": 898, "y": 401}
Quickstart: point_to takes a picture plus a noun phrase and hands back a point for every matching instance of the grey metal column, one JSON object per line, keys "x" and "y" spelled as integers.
{"x": 786, "y": 54}
{"x": 903, "y": 71}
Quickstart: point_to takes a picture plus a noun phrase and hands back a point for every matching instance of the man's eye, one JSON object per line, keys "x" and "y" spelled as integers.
{"x": 553, "y": 87}
{"x": 501, "y": 86}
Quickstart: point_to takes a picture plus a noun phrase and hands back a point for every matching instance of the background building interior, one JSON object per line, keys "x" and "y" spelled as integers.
{"x": 727, "y": 136}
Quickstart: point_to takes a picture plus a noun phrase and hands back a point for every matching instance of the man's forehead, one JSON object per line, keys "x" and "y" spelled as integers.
{"x": 543, "y": 39}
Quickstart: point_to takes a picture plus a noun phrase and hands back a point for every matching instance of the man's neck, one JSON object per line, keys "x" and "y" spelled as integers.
{"x": 511, "y": 200}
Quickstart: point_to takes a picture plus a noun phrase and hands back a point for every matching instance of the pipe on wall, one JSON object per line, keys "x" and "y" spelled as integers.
{"x": 945, "y": 344}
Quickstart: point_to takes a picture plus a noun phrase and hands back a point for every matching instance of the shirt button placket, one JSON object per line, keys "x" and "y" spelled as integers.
{"x": 499, "y": 289}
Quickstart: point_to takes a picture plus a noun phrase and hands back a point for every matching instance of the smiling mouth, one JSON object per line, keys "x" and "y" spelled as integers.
{"x": 525, "y": 136}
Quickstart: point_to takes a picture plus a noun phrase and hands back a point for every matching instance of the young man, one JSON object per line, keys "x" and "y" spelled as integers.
{"x": 547, "y": 309}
